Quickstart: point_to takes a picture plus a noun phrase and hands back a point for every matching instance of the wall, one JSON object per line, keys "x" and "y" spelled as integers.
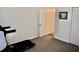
{"x": 63, "y": 26}
{"x": 75, "y": 27}
{"x": 50, "y": 17}
{"x": 24, "y": 20}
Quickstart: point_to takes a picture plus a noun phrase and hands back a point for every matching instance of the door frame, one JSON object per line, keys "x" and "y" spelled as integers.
{"x": 39, "y": 20}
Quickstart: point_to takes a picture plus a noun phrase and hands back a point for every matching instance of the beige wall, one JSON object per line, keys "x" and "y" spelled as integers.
{"x": 24, "y": 20}
{"x": 62, "y": 31}
{"x": 50, "y": 17}
{"x": 74, "y": 38}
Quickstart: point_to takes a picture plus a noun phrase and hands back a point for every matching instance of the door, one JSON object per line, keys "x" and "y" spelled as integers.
{"x": 46, "y": 21}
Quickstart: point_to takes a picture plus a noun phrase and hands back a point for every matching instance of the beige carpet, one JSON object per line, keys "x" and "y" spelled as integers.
{"x": 49, "y": 44}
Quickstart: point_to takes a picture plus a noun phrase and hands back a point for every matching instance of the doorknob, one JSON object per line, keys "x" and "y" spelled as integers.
{"x": 39, "y": 24}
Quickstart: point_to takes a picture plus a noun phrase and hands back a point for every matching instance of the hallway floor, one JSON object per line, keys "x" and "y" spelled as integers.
{"x": 49, "y": 44}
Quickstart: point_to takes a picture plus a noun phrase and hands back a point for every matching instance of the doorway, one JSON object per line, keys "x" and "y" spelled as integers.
{"x": 46, "y": 21}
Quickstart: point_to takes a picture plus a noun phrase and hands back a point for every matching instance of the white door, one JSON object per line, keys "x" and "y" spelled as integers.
{"x": 75, "y": 27}
{"x": 46, "y": 21}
